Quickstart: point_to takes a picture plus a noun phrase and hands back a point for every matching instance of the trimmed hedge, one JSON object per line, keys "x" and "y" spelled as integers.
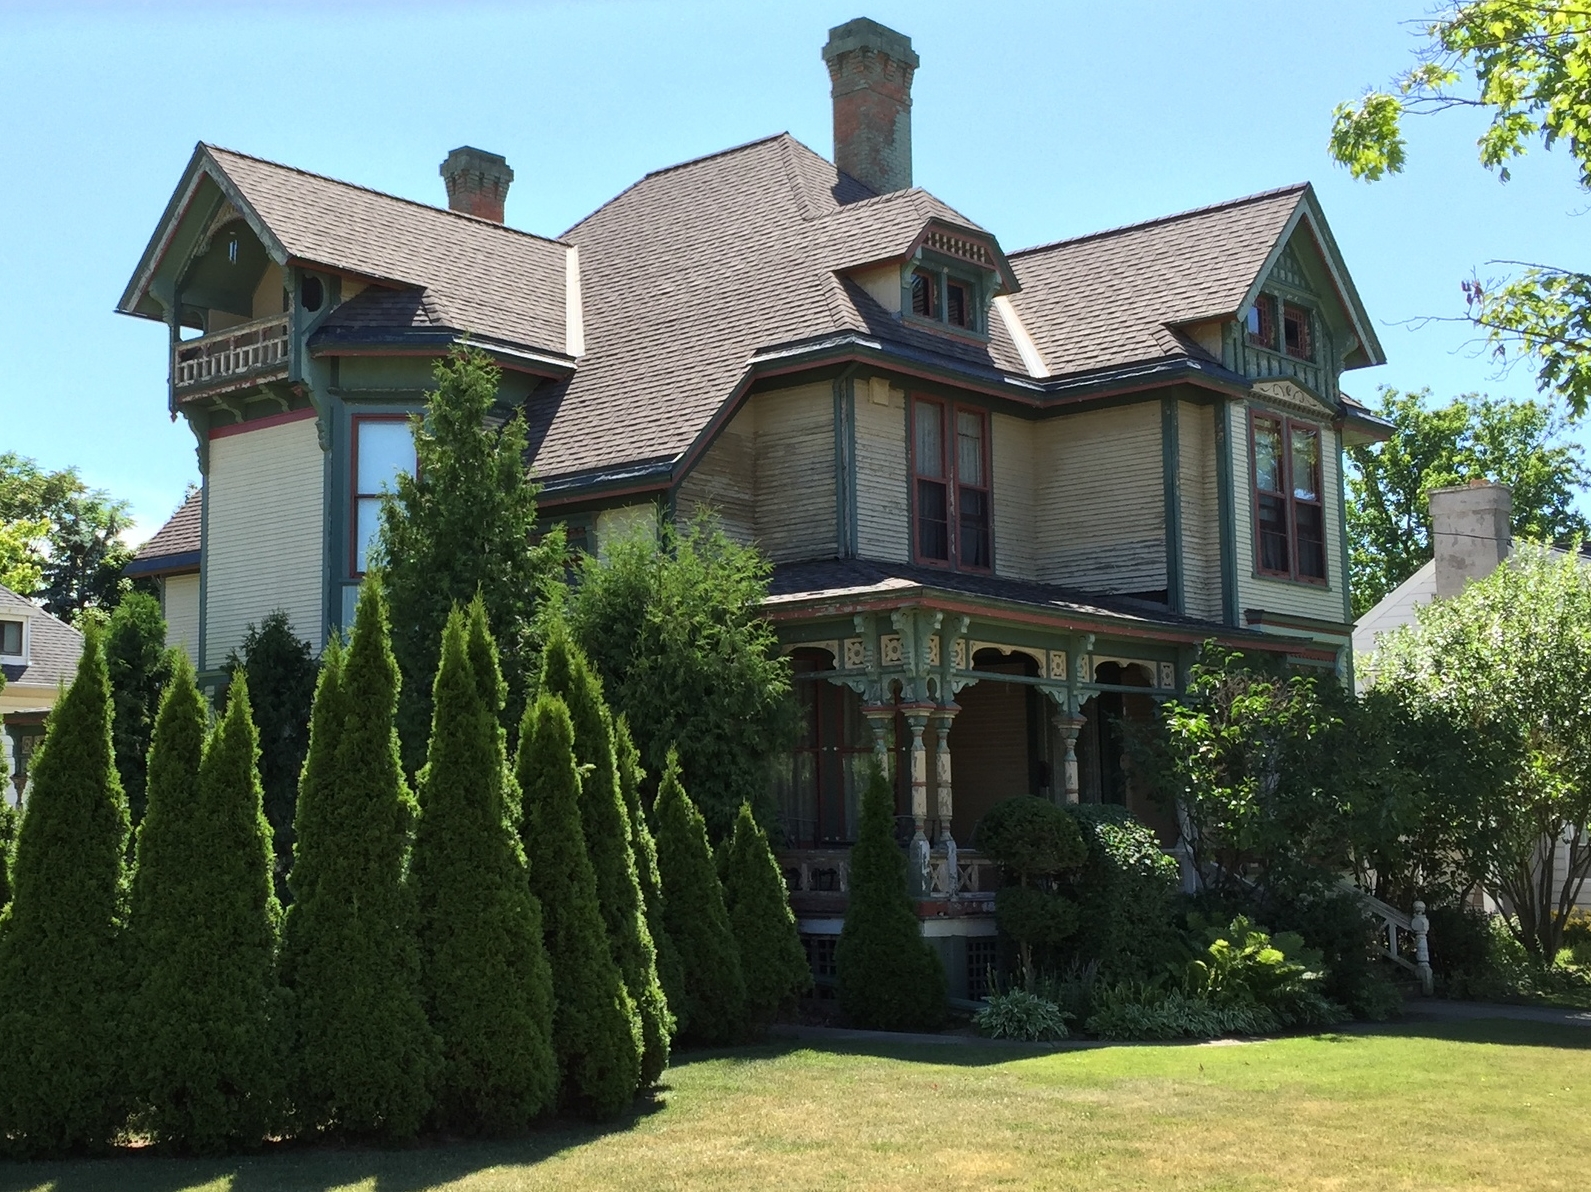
{"x": 596, "y": 1031}
{"x": 62, "y": 971}
{"x": 771, "y": 957}
{"x": 484, "y": 971}
{"x": 890, "y": 978}
{"x": 712, "y": 1005}
{"x": 1124, "y": 892}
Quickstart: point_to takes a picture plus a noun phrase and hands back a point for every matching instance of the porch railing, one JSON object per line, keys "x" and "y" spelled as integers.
{"x": 824, "y": 875}
{"x": 1414, "y": 929}
{"x": 233, "y": 354}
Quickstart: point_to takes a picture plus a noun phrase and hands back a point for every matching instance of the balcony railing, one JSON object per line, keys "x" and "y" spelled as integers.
{"x": 820, "y": 879}
{"x": 231, "y": 358}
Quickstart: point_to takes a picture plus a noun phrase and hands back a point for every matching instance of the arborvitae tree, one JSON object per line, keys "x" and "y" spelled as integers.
{"x": 484, "y": 972}
{"x": 771, "y": 957}
{"x": 62, "y": 976}
{"x": 596, "y": 1031}
{"x": 606, "y": 822}
{"x": 280, "y": 668}
{"x": 139, "y": 668}
{"x": 712, "y": 1007}
{"x": 669, "y": 973}
{"x": 365, "y": 1052}
{"x": 463, "y": 526}
{"x": 8, "y": 822}
{"x": 890, "y": 978}
{"x": 207, "y": 1069}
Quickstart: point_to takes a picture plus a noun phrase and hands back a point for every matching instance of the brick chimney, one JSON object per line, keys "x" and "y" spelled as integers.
{"x": 1470, "y": 532}
{"x": 477, "y": 182}
{"x": 870, "y": 69}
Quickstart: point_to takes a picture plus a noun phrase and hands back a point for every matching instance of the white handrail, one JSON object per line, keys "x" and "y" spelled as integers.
{"x": 246, "y": 348}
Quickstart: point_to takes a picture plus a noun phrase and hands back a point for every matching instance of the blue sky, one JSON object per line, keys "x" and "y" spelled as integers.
{"x": 1040, "y": 121}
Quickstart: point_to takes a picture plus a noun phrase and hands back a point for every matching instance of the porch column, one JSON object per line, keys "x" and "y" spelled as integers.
{"x": 945, "y": 804}
{"x": 1070, "y": 726}
{"x": 881, "y": 719}
{"x": 917, "y": 721}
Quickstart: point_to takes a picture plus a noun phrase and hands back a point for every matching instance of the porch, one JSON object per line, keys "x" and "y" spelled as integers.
{"x": 237, "y": 357}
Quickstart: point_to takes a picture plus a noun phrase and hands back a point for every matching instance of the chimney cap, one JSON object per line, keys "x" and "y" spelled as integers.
{"x": 467, "y": 157}
{"x": 864, "y": 33}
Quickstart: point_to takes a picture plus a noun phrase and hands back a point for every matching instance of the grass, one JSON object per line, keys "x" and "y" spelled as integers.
{"x": 1483, "y": 1105}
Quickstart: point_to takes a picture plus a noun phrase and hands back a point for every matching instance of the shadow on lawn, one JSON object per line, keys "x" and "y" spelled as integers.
{"x": 1511, "y": 1032}
{"x": 316, "y": 1167}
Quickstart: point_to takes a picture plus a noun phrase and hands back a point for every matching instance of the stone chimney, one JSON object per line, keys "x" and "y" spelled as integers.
{"x": 1470, "y": 532}
{"x": 870, "y": 69}
{"x": 477, "y": 182}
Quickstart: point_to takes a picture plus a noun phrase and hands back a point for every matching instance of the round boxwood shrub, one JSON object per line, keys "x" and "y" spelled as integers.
{"x": 1124, "y": 891}
{"x": 1031, "y": 837}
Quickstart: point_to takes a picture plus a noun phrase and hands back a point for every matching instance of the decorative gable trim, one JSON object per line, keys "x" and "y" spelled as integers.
{"x": 1294, "y": 396}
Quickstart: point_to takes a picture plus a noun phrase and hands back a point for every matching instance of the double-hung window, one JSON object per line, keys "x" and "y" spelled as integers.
{"x": 383, "y": 448}
{"x": 950, "y": 485}
{"x": 1289, "y": 509}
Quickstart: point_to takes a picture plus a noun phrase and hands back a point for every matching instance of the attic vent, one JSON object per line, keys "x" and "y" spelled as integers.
{"x": 957, "y": 246}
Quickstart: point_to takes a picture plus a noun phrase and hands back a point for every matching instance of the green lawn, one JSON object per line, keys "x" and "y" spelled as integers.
{"x": 1483, "y": 1105}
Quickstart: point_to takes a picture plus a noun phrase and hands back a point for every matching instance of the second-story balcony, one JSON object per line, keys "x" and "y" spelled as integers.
{"x": 232, "y": 359}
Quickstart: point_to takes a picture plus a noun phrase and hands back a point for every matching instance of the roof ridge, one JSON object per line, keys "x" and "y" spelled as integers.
{"x": 694, "y": 161}
{"x": 370, "y": 190}
{"x": 1272, "y": 193}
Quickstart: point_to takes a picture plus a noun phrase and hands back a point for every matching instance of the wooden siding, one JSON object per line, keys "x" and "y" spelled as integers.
{"x": 795, "y": 473}
{"x": 1101, "y": 515}
{"x": 883, "y": 512}
{"x": 1015, "y": 483}
{"x": 179, "y": 601}
{"x": 264, "y": 534}
{"x": 1200, "y": 512}
{"x": 1323, "y": 602}
{"x": 725, "y": 479}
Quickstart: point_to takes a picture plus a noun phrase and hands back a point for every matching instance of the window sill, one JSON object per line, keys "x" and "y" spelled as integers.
{"x": 1276, "y": 577}
{"x": 966, "y": 334}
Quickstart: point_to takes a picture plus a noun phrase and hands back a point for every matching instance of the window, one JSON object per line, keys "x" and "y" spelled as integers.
{"x": 1295, "y": 332}
{"x": 11, "y": 638}
{"x": 950, "y": 485}
{"x": 1289, "y": 510}
{"x": 1262, "y": 322}
{"x": 958, "y": 310}
{"x": 925, "y": 294}
{"x": 383, "y": 448}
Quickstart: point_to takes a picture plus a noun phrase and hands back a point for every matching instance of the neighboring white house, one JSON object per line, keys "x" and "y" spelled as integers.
{"x": 38, "y": 654}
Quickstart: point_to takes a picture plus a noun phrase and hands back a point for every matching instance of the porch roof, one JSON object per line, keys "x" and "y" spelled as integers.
{"x": 837, "y": 587}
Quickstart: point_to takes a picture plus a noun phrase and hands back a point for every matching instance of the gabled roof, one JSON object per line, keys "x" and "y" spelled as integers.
{"x": 53, "y": 646}
{"x": 478, "y": 277}
{"x": 1116, "y": 297}
{"x": 175, "y": 546}
{"x": 692, "y": 272}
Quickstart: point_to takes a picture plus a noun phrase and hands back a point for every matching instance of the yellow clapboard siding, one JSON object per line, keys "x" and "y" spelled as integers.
{"x": 1015, "y": 483}
{"x": 179, "y": 598}
{"x": 883, "y": 512}
{"x": 264, "y": 534}
{"x": 795, "y": 473}
{"x": 725, "y": 480}
{"x": 1200, "y": 512}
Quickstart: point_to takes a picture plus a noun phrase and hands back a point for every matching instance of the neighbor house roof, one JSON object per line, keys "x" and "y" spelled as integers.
{"x": 175, "y": 546}
{"x": 53, "y": 646}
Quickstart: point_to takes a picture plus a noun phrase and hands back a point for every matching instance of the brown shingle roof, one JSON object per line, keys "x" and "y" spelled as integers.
{"x": 53, "y": 646}
{"x": 478, "y": 276}
{"x": 179, "y": 536}
{"x": 1107, "y": 299}
{"x": 693, "y": 270}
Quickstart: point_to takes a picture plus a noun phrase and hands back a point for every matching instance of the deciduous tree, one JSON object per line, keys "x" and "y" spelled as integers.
{"x": 80, "y": 554}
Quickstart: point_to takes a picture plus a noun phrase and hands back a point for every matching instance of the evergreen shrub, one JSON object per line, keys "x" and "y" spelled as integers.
{"x": 890, "y": 978}
{"x": 771, "y": 957}
{"x": 139, "y": 668}
{"x": 669, "y": 973}
{"x": 484, "y": 970}
{"x": 605, "y": 821}
{"x": 596, "y": 1031}
{"x": 713, "y": 1001}
{"x": 365, "y": 1053}
{"x": 1124, "y": 891}
{"x": 63, "y": 979}
{"x": 207, "y": 1069}
{"x": 1035, "y": 843}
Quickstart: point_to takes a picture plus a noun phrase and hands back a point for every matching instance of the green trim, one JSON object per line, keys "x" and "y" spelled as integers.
{"x": 1261, "y": 616}
{"x": 204, "y": 562}
{"x": 1171, "y": 474}
{"x": 1226, "y": 499}
{"x": 845, "y": 485}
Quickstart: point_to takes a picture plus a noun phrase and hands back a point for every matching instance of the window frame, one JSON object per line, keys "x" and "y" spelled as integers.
{"x": 354, "y": 495}
{"x": 1287, "y": 424}
{"x": 1306, "y": 329}
{"x": 1265, "y": 337}
{"x": 951, "y": 479}
{"x": 21, "y": 653}
{"x": 940, "y": 277}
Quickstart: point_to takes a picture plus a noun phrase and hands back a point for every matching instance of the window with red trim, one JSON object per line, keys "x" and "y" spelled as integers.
{"x": 1295, "y": 332}
{"x": 383, "y": 447}
{"x": 1289, "y": 508}
{"x": 950, "y": 485}
{"x": 1261, "y": 325}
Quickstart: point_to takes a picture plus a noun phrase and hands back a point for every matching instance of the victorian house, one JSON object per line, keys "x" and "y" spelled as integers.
{"x": 1008, "y": 494}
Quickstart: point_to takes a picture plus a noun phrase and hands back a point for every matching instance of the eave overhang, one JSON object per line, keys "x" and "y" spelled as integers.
{"x": 176, "y": 564}
{"x": 436, "y": 341}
